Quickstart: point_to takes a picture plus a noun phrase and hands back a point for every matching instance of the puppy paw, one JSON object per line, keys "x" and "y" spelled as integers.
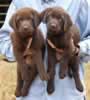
{"x": 50, "y": 90}
{"x": 80, "y": 87}
{"x": 50, "y": 87}
{"x": 24, "y": 92}
{"x": 17, "y": 93}
{"x": 62, "y": 75}
{"x": 45, "y": 77}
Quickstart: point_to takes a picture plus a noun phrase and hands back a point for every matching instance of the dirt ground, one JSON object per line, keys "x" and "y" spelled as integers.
{"x": 8, "y": 80}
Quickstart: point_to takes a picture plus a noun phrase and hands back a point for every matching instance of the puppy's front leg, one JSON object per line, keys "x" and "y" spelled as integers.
{"x": 31, "y": 74}
{"x": 40, "y": 66}
{"x": 75, "y": 70}
{"x": 19, "y": 83}
{"x": 68, "y": 52}
{"x": 63, "y": 67}
{"x": 51, "y": 71}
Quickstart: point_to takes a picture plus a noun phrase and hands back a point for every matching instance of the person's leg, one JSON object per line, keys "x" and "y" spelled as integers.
{"x": 6, "y": 49}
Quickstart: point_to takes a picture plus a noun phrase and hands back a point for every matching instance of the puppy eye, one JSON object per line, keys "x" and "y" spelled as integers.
{"x": 19, "y": 19}
{"x": 28, "y": 18}
{"x": 48, "y": 18}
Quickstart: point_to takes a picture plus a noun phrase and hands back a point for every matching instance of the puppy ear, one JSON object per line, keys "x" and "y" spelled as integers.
{"x": 12, "y": 22}
{"x": 36, "y": 19}
{"x": 67, "y": 22}
{"x": 44, "y": 14}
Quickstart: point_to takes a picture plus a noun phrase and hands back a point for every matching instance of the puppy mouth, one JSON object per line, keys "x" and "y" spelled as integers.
{"x": 25, "y": 34}
{"x": 53, "y": 30}
{"x": 27, "y": 31}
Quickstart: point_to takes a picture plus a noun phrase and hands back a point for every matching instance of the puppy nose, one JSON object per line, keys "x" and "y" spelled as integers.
{"x": 25, "y": 27}
{"x": 53, "y": 25}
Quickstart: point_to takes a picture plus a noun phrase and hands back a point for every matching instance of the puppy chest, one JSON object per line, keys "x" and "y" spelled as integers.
{"x": 59, "y": 42}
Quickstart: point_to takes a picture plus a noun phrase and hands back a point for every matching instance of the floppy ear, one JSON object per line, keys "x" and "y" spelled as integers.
{"x": 36, "y": 19}
{"x": 67, "y": 22}
{"x": 44, "y": 14}
{"x": 12, "y": 22}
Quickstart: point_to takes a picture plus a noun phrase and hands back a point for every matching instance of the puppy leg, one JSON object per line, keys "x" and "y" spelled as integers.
{"x": 40, "y": 66}
{"x": 63, "y": 68}
{"x": 75, "y": 70}
{"x": 19, "y": 83}
{"x": 51, "y": 71}
{"x": 27, "y": 82}
{"x": 66, "y": 57}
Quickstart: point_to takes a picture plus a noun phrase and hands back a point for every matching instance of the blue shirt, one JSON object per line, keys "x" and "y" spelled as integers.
{"x": 80, "y": 13}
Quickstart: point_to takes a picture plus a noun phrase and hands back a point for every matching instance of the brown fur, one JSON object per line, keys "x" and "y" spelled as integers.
{"x": 25, "y": 22}
{"x": 64, "y": 35}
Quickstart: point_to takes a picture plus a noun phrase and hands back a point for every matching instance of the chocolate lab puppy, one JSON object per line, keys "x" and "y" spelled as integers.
{"x": 25, "y": 22}
{"x": 62, "y": 44}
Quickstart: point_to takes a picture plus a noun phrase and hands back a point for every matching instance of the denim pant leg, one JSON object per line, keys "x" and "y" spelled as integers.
{"x": 6, "y": 48}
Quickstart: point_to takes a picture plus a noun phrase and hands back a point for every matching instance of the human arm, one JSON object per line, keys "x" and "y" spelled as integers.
{"x": 83, "y": 21}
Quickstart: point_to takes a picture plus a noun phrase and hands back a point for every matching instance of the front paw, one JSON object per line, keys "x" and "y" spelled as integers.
{"x": 50, "y": 87}
{"x": 17, "y": 93}
{"x": 45, "y": 77}
{"x": 62, "y": 75}
{"x": 80, "y": 87}
{"x": 24, "y": 92}
{"x": 63, "y": 71}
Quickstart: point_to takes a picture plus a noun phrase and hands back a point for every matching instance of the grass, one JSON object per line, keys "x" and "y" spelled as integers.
{"x": 8, "y": 80}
